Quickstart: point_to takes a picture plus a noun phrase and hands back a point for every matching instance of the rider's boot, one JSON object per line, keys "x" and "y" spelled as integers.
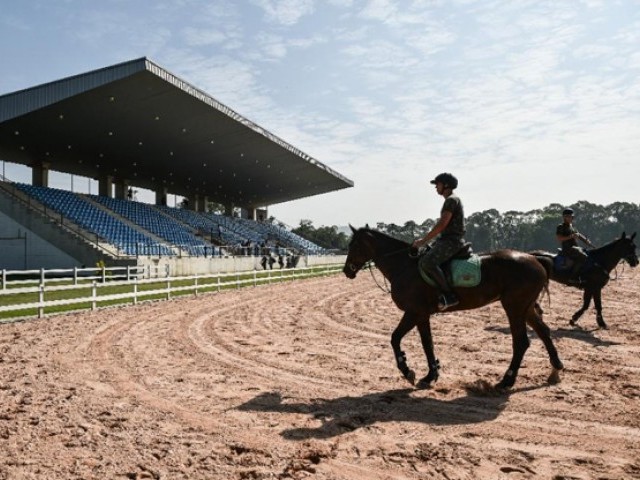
{"x": 447, "y": 298}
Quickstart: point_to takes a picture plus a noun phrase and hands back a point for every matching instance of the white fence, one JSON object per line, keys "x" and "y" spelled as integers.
{"x": 91, "y": 288}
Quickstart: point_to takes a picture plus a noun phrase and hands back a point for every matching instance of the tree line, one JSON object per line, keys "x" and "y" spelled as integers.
{"x": 491, "y": 230}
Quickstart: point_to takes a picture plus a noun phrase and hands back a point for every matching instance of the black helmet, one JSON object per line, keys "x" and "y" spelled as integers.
{"x": 567, "y": 211}
{"x": 447, "y": 180}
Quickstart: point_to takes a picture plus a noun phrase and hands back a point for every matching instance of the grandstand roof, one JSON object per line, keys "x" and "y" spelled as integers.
{"x": 137, "y": 121}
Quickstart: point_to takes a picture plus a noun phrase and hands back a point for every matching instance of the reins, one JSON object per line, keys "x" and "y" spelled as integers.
{"x": 386, "y": 289}
{"x": 369, "y": 264}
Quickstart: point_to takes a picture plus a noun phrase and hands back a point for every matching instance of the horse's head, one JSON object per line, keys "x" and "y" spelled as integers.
{"x": 361, "y": 250}
{"x": 628, "y": 249}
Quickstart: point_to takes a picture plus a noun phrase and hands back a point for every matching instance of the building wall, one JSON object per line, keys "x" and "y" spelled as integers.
{"x": 32, "y": 252}
{"x": 202, "y": 266}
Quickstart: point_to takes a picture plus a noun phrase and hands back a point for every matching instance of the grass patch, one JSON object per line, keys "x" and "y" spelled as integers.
{"x": 83, "y": 290}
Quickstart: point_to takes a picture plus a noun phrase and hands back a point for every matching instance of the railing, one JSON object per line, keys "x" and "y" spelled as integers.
{"x": 56, "y": 217}
{"x": 33, "y": 292}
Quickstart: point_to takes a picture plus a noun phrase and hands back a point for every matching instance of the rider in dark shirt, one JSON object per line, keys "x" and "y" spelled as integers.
{"x": 448, "y": 232}
{"x": 568, "y": 237}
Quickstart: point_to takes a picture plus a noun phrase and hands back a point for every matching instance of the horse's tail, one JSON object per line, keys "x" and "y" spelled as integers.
{"x": 546, "y": 260}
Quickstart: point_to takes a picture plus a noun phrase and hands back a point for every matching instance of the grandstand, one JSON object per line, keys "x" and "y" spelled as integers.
{"x": 135, "y": 124}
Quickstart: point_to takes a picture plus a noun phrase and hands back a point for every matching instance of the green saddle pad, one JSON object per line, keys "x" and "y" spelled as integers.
{"x": 464, "y": 273}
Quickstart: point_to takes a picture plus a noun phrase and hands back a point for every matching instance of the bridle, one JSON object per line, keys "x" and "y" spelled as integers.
{"x": 369, "y": 265}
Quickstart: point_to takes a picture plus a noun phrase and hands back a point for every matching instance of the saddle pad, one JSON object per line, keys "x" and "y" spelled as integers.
{"x": 464, "y": 273}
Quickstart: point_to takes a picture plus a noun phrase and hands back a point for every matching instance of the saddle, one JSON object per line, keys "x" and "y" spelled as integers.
{"x": 461, "y": 270}
{"x": 563, "y": 264}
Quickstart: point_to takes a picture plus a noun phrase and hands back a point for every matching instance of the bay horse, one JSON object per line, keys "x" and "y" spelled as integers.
{"x": 514, "y": 278}
{"x": 601, "y": 261}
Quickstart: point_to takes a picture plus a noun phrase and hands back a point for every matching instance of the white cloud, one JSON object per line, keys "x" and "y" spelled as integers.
{"x": 285, "y": 12}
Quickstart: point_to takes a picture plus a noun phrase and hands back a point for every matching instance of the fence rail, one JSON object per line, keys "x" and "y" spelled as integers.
{"x": 123, "y": 285}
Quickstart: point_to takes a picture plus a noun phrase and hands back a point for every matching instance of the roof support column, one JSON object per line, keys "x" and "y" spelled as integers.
{"x": 40, "y": 174}
{"x": 228, "y": 209}
{"x": 105, "y": 183}
{"x": 194, "y": 200}
{"x": 161, "y": 196}
{"x": 202, "y": 203}
{"x": 253, "y": 213}
{"x": 122, "y": 188}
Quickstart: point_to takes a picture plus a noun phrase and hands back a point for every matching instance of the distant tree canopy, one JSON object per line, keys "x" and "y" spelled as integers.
{"x": 491, "y": 230}
{"x": 326, "y": 237}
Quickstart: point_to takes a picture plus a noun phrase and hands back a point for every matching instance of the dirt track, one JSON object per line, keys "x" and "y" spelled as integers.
{"x": 298, "y": 380}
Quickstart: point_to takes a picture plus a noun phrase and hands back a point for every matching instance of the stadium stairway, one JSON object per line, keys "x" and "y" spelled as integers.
{"x": 60, "y": 233}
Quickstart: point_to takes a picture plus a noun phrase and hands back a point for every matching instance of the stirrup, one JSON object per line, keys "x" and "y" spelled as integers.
{"x": 447, "y": 300}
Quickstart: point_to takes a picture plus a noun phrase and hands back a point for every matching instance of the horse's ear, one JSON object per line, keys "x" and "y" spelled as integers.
{"x": 633, "y": 236}
{"x": 352, "y": 229}
{"x": 624, "y": 235}
{"x": 367, "y": 227}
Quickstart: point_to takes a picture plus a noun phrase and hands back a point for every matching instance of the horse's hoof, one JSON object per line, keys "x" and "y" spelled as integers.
{"x": 411, "y": 377}
{"x": 425, "y": 382}
{"x": 554, "y": 378}
{"x": 602, "y": 324}
{"x": 505, "y": 384}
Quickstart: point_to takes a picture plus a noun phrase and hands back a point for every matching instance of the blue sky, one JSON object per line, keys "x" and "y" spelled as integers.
{"x": 527, "y": 102}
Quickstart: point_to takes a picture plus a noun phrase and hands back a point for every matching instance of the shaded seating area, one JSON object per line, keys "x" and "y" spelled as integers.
{"x": 108, "y": 228}
{"x": 137, "y": 228}
{"x": 209, "y": 225}
{"x": 159, "y": 224}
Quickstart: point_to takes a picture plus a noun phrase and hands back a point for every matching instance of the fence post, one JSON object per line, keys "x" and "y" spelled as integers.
{"x": 196, "y": 285}
{"x": 135, "y": 290}
{"x": 94, "y": 295}
{"x": 42, "y": 276}
{"x": 128, "y": 273}
{"x": 104, "y": 273}
{"x": 75, "y": 275}
{"x": 168, "y": 289}
{"x": 41, "y": 301}
{"x": 4, "y": 279}
{"x": 254, "y": 279}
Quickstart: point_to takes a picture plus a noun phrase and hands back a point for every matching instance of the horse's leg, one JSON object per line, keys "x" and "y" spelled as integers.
{"x": 520, "y": 340}
{"x": 407, "y": 322}
{"x": 586, "y": 300}
{"x": 424, "y": 327}
{"x": 536, "y": 322}
{"x": 597, "y": 301}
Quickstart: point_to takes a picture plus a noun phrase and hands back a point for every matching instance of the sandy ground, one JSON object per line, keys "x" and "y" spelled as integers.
{"x": 298, "y": 380}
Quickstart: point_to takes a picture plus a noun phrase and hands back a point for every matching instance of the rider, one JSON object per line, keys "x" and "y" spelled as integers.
{"x": 448, "y": 232}
{"x": 568, "y": 236}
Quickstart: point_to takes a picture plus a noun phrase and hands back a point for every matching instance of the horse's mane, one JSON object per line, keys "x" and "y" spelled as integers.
{"x": 399, "y": 243}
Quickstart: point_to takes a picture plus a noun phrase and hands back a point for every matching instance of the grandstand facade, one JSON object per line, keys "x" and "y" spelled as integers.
{"x": 137, "y": 125}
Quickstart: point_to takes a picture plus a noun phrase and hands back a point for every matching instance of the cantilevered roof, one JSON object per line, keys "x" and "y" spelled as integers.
{"x": 139, "y": 122}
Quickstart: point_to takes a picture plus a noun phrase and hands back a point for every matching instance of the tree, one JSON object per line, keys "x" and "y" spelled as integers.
{"x": 325, "y": 237}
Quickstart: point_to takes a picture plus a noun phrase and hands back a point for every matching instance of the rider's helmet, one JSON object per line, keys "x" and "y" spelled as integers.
{"x": 447, "y": 180}
{"x": 568, "y": 211}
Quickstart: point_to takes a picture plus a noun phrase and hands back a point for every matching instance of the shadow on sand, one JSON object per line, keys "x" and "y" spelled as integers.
{"x": 574, "y": 333}
{"x": 346, "y": 414}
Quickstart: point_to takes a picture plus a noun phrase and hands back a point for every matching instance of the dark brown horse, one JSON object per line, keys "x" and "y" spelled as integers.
{"x": 597, "y": 272}
{"x": 514, "y": 278}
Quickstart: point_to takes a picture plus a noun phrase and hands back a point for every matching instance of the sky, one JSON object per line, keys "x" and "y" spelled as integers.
{"x": 528, "y": 103}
